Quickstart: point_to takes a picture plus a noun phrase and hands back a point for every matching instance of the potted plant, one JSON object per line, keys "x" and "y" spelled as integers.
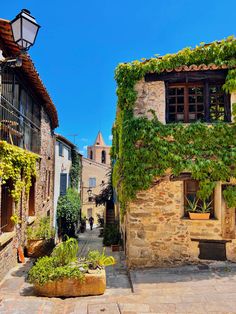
{"x": 198, "y": 210}
{"x": 112, "y": 236}
{"x": 64, "y": 275}
{"x": 40, "y": 238}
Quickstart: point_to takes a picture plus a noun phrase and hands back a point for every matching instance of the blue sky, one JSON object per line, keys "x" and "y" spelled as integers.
{"x": 81, "y": 42}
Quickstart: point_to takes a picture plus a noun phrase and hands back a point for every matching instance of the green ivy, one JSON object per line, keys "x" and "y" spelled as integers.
{"x": 143, "y": 149}
{"x": 230, "y": 196}
{"x": 75, "y": 170}
{"x": 19, "y": 166}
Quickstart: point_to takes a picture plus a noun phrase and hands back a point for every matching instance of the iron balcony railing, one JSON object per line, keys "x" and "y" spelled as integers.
{"x": 17, "y": 129}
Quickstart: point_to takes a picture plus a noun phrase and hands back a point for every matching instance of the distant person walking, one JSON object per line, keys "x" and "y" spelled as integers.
{"x": 91, "y": 220}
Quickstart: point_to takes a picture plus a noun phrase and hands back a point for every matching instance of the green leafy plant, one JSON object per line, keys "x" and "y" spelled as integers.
{"x": 64, "y": 263}
{"x": 111, "y": 234}
{"x": 192, "y": 205}
{"x": 66, "y": 252}
{"x": 42, "y": 230}
{"x": 142, "y": 150}
{"x": 75, "y": 170}
{"x": 19, "y": 166}
{"x": 230, "y": 196}
{"x": 205, "y": 207}
{"x": 98, "y": 259}
{"x": 15, "y": 219}
{"x": 68, "y": 209}
{"x": 47, "y": 269}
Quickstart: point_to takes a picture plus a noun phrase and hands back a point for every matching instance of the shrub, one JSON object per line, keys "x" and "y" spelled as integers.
{"x": 111, "y": 234}
{"x": 42, "y": 230}
{"x": 68, "y": 208}
{"x": 47, "y": 269}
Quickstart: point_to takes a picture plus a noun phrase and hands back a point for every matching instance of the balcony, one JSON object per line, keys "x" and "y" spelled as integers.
{"x": 17, "y": 129}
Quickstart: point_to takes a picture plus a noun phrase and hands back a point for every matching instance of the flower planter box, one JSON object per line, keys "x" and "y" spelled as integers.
{"x": 199, "y": 216}
{"x": 39, "y": 248}
{"x": 93, "y": 284}
{"x": 115, "y": 247}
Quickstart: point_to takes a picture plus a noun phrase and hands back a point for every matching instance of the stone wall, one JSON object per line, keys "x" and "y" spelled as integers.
{"x": 8, "y": 257}
{"x": 43, "y": 196}
{"x": 44, "y": 200}
{"x": 150, "y": 95}
{"x": 157, "y": 234}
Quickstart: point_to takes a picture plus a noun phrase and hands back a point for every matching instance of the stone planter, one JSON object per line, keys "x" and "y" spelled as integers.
{"x": 93, "y": 284}
{"x": 40, "y": 247}
{"x": 199, "y": 216}
{"x": 115, "y": 247}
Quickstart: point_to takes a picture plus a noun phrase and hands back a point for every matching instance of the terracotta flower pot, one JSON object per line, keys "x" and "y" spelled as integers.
{"x": 93, "y": 284}
{"x": 39, "y": 248}
{"x": 115, "y": 247}
{"x": 199, "y": 216}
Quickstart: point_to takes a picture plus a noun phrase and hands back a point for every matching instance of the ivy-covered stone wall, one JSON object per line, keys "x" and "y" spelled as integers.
{"x": 145, "y": 149}
{"x": 41, "y": 166}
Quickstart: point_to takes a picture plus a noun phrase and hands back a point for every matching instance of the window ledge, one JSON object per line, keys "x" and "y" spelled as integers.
{"x": 6, "y": 236}
{"x": 203, "y": 220}
{"x": 31, "y": 220}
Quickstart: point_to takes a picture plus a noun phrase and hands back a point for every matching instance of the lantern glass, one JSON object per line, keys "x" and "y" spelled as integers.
{"x": 24, "y": 29}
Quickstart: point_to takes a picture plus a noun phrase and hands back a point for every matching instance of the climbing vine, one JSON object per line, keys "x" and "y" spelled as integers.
{"x": 145, "y": 149}
{"x": 75, "y": 170}
{"x": 19, "y": 166}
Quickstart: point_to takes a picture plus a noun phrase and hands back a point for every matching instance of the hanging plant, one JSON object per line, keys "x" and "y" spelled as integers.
{"x": 19, "y": 166}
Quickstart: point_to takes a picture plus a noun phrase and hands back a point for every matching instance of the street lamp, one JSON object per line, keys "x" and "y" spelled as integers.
{"x": 24, "y": 29}
{"x": 89, "y": 192}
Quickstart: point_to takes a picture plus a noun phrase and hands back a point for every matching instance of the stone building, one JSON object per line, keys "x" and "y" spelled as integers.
{"x": 27, "y": 120}
{"x": 95, "y": 169}
{"x": 64, "y": 150}
{"x": 156, "y": 228}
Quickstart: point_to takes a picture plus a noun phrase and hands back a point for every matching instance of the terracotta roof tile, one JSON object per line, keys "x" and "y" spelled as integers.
{"x": 193, "y": 67}
{"x": 11, "y": 49}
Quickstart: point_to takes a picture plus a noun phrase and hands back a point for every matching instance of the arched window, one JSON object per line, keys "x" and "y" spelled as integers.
{"x": 103, "y": 157}
{"x": 91, "y": 154}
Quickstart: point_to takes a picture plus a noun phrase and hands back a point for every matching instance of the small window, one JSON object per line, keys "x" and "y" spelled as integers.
{"x": 92, "y": 182}
{"x": 191, "y": 188}
{"x": 60, "y": 149}
{"x": 69, "y": 154}
{"x": 91, "y": 154}
{"x": 103, "y": 158}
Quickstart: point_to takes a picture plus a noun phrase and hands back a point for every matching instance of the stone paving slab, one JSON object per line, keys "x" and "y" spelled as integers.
{"x": 198, "y": 289}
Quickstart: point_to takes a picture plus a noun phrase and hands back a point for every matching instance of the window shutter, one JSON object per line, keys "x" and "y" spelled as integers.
{"x": 63, "y": 183}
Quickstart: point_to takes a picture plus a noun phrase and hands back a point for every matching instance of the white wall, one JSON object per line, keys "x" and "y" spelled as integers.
{"x": 62, "y": 165}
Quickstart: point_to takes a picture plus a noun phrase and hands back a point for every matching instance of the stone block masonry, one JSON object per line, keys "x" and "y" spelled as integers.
{"x": 157, "y": 234}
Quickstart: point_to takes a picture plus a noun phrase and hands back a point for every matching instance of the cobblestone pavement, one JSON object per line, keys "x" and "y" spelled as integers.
{"x": 190, "y": 289}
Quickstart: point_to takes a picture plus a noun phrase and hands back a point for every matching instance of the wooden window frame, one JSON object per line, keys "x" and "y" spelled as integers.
{"x": 61, "y": 148}
{"x": 205, "y": 84}
{"x": 32, "y": 195}
{"x": 212, "y": 212}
